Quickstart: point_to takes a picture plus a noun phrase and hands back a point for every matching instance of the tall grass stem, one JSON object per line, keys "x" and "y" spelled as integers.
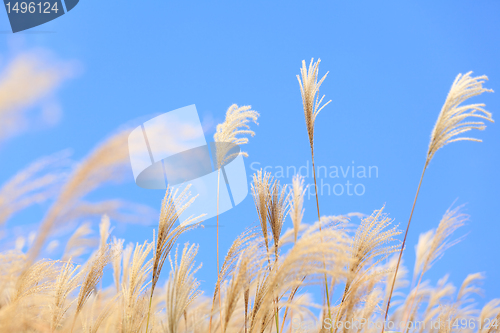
{"x": 403, "y": 246}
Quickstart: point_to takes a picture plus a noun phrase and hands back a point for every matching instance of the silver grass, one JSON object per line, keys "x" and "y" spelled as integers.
{"x": 117, "y": 260}
{"x": 239, "y": 245}
{"x": 174, "y": 204}
{"x": 66, "y": 282}
{"x": 261, "y": 191}
{"x": 126, "y": 254}
{"x": 421, "y": 296}
{"x": 451, "y": 121}
{"x": 468, "y": 286}
{"x": 372, "y": 244}
{"x": 92, "y": 322}
{"x": 463, "y": 307}
{"x": 136, "y": 269}
{"x": 401, "y": 281}
{"x": 182, "y": 287}
{"x": 105, "y": 163}
{"x": 443, "y": 290}
{"x": 312, "y": 252}
{"x": 95, "y": 268}
{"x": 433, "y": 244}
{"x": 489, "y": 312}
{"x": 450, "y": 124}
{"x": 309, "y": 89}
{"x": 234, "y": 253}
{"x": 104, "y": 230}
{"x": 79, "y": 243}
{"x": 277, "y": 210}
{"x": 33, "y": 185}
{"x": 35, "y": 280}
{"x": 233, "y": 130}
{"x": 93, "y": 274}
{"x": 42, "y": 296}
{"x": 297, "y": 203}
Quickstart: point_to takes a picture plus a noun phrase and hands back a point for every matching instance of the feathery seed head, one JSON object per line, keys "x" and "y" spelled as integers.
{"x": 433, "y": 244}
{"x": 371, "y": 244}
{"x": 309, "y": 89}
{"x": 278, "y": 209}
{"x": 174, "y": 204}
{"x": 233, "y": 129}
{"x": 261, "y": 191}
{"x": 451, "y": 121}
{"x": 93, "y": 274}
{"x": 182, "y": 287}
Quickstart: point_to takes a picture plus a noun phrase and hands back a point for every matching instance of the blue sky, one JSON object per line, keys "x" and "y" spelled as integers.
{"x": 390, "y": 66}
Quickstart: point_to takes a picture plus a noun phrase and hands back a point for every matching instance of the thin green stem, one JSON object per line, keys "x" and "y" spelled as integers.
{"x": 403, "y": 246}
{"x": 277, "y": 319}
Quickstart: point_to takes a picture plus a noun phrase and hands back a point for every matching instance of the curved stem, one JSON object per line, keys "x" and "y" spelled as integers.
{"x": 403, "y": 246}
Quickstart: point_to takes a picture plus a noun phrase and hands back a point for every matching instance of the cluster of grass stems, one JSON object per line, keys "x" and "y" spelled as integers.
{"x": 262, "y": 280}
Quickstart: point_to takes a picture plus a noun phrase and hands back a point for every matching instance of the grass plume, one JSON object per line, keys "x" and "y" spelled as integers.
{"x": 174, "y": 204}
{"x": 309, "y": 89}
{"x": 450, "y": 124}
{"x": 231, "y": 132}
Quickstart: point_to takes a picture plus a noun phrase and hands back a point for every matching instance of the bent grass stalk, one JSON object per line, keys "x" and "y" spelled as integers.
{"x": 174, "y": 204}
{"x": 450, "y": 123}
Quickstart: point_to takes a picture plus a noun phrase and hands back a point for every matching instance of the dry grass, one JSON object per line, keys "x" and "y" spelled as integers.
{"x": 451, "y": 123}
{"x": 309, "y": 89}
{"x": 231, "y": 132}
{"x": 263, "y": 281}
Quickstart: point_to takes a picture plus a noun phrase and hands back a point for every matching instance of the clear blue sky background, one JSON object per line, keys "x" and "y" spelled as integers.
{"x": 391, "y": 65}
